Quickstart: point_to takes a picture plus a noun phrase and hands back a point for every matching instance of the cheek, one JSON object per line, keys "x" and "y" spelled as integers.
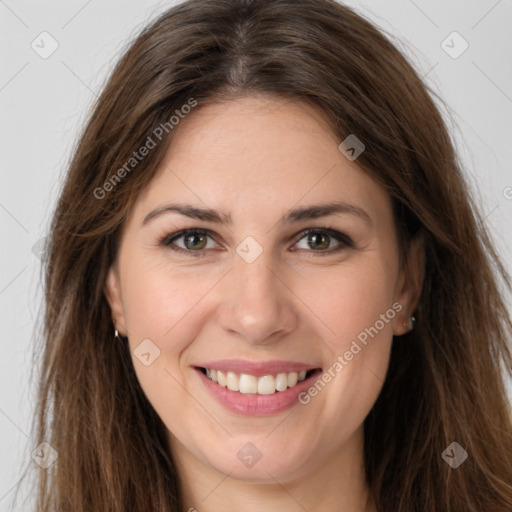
{"x": 355, "y": 305}
{"x": 351, "y": 299}
{"x": 163, "y": 305}
{"x": 159, "y": 300}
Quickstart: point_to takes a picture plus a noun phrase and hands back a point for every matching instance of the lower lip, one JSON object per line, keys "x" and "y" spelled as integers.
{"x": 257, "y": 405}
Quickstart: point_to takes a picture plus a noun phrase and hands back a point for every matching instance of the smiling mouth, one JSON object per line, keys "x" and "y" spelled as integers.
{"x": 264, "y": 385}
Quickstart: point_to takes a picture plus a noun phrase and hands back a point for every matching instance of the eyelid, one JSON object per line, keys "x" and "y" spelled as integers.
{"x": 167, "y": 240}
{"x": 344, "y": 240}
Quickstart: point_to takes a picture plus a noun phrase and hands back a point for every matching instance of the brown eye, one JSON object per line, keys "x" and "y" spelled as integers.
{"x": 320, "y": 240}
{"x": 192, "y": 241}
{"x": 195, "y": 241}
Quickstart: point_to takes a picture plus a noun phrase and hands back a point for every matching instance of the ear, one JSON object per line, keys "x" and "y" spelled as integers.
{"x": 409, "y": 285}
{"x": 113, "y": 293}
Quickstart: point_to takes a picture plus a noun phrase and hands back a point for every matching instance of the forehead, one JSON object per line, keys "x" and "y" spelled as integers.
{"x": 259, "y": 155}
{"x": 252, "y": 130}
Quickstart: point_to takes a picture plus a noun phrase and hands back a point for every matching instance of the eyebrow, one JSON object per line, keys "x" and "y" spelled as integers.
{"x": 295, "y": 215}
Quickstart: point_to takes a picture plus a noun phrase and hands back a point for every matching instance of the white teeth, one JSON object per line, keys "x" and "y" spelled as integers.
{"x": 221, "y": 379}
{"x": 248, "y": 383}
{"x": 281, "y": 381}
{"x": 232, "y": 381}
{"x": 293, "y": 377}
{"x": 264, "y": 385}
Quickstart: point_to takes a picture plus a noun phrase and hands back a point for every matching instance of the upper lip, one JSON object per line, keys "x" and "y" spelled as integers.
{"x": 256, "y": 368}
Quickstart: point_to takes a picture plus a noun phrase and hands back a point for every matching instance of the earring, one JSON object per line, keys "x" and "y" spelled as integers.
{"x": 410, "y": 323}
{"x": 116, "y": 333}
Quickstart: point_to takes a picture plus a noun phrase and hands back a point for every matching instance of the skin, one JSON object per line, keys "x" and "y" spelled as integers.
{"x": 255, "y": 158}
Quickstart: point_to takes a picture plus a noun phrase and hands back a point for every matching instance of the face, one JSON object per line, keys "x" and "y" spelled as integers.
{"x": 249, "y": 298}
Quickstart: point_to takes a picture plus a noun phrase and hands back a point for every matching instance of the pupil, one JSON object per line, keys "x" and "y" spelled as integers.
{"x": 192, "y": 237}
{"x": 326, "y": 242}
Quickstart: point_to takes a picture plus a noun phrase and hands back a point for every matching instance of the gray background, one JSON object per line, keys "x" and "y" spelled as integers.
{"x": 44, "y": 102}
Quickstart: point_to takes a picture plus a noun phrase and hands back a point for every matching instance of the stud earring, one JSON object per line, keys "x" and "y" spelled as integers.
{"x": 410, "y": 323}
{"x": 116, "y": 333}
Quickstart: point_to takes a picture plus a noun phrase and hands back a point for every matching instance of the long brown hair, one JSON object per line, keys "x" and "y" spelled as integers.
{"x": 444, "y": 382}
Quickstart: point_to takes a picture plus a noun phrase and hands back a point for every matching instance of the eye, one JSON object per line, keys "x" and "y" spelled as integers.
{"x": 319, "y": 239}
{"x": 195, "y": 241}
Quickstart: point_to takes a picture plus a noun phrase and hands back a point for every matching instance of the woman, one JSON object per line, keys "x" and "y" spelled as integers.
{"x": 268, "y": 285}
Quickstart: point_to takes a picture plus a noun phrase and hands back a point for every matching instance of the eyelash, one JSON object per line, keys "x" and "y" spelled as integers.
{"x": 345, "y": 241}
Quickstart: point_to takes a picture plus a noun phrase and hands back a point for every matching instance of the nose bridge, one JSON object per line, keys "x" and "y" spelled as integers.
{"x": 260, "y": 306}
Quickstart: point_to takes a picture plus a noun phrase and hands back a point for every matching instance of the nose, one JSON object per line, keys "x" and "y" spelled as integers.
{"x": 258, "y": 304}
